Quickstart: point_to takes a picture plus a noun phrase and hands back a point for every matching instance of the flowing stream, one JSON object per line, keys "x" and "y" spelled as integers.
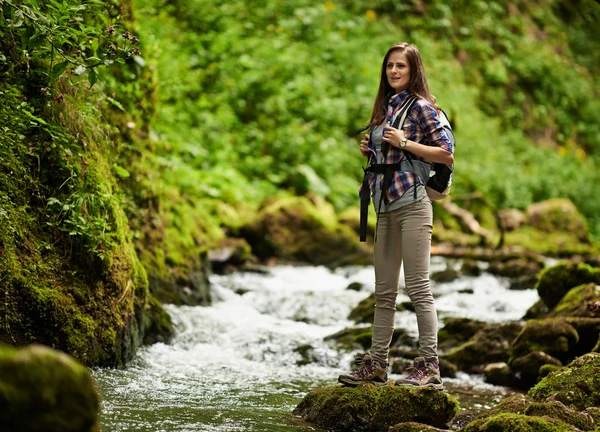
{"x": 233, "y": 366}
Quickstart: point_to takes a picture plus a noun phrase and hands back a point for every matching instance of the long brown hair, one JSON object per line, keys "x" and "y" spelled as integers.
{"x": 417, "y": 83}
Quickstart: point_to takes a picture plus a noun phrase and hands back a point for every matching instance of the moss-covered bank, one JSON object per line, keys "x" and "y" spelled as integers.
{"x": 70, "y": 275}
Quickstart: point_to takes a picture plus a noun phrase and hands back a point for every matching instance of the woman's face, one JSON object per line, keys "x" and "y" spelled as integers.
{"x": 397, "y": 71}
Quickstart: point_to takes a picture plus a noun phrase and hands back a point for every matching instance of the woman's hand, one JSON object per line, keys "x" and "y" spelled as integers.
{"x": 364, "y": 146}
{"x": 393, "y": 136}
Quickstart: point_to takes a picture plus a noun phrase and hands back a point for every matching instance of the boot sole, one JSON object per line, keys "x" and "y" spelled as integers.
{"x": 351, "y": 383}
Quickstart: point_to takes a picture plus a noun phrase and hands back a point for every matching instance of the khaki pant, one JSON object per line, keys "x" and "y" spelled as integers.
{"x": 404, "y": 235}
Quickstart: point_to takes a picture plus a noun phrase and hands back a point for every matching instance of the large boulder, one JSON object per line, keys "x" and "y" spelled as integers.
{"x": 577, "y": 385}
{"x": 370, "y": 408}
{"x": 43, "y": 390}
{"x": 558, "y": 214}
{"x": 457, "y": 331}
{"x": 560, "y": 411}
{"x": 298, "y": 229}
{"x": 556, "y": 281}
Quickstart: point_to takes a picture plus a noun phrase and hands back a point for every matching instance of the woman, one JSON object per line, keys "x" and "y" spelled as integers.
{"x": 404, "y": 223}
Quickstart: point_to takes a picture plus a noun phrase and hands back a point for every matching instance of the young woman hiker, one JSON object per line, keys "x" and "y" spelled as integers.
{"x": 404, "y": 224}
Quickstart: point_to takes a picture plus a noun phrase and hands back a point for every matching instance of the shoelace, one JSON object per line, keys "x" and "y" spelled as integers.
{"x": 414, "y": 373}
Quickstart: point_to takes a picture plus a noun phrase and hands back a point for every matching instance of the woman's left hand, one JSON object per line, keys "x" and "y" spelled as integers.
{"x": 393, "y": 136}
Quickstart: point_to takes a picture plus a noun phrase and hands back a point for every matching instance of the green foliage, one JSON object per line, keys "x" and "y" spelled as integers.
{"x": 263, "y": 97}
{"x": 65, "y": 33}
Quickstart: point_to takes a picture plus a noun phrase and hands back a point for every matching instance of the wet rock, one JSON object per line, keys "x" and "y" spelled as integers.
{"x": 457, "y": 331}
{"x": 546, "y": 369}
{"x": 523, "y": 282}
{"x": 414, "y": 427}
{"x": 364, "y": 311}
{"x": 552, "y": 336}
{"x": 558, "y": 214}
{"x": 157, "y": 323}
{"x": 45, "y": 390}
{"x": 576, "y": 385}
{"x": 376, "y": 408}
{"x": 518, "y": 422}
{"x": 355, "y": 286}
{"x": 588, "y": 330}
{"x": 470, "y": 268}
{"x": 559, "y": 411}
{"x": 537, "y": 311}
{"x": 556, "y": 281}
{"x": 461, "y": 419}
{"x": 511, "y": 219}
{"x": 575, "y": 302}
{"x": 229, "y": 254}
{"x": 489, "y": 345}
{"x": 528, "y": 367}
{"x": 298, "y": 229}
{"x": 307, "y": 354}
{"x": 498, "y": 374}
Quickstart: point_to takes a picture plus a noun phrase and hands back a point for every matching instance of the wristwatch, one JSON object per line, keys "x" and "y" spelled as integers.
{"x": 403, "y": 143}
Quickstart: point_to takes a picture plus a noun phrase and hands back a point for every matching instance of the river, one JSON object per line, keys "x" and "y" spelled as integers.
{"x": 232, "y": 366}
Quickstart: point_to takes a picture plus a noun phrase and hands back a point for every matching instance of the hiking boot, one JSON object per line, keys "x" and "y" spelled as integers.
{"x": 370, "y": 371}
{"x": 422, "y": 374}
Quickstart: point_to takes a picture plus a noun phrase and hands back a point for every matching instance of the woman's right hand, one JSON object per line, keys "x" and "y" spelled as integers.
{"x": 364, "y": 146}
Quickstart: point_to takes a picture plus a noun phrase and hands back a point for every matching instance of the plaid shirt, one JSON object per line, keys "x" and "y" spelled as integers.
{"x": 422, "y": 125}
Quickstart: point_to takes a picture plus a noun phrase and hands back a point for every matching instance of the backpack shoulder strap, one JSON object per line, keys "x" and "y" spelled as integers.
{"x": 402, "y": 113}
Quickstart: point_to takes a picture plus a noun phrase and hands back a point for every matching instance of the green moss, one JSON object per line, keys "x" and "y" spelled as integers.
{"x": 372, "y": 408}
{"x": 559, "y": 411}
{"x": 517, "y": 422}
{"x": 554, "y": 337}
{"x": 516, "y": 404}
{"x": 364, "y": 311}
{"x": 45, "y": 390}
{"x": 576, "y": 385}
{"x": 413, "y": 427}
{"x": 489, "y": 345}
{"x": 296, "y": 229}
{"x": 574, "y": 302}
{"x": 554, "y": 282}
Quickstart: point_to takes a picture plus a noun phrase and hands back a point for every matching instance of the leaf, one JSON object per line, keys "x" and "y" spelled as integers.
{"x": 93, "y": 59}
{"x": 35, "y": 3}
{"x": 115, "y": 103}
{"x": 92, "y": 77}
{"x": 120, "y": 171}
{"x": 37, "y": 119}
{"x": 58, "y": 70}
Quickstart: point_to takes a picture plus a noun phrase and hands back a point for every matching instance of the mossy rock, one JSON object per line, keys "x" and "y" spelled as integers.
{"x": 364, "y": 311}
{"x": 414, "y": 427}
{"x": 518, "y": 423}
{"x": 556, "y": 281}
{"x": 296, "y": 229}
{"x": 457, "y": 331}
{"x": 559, "y": 411}
{"x": 576, "y": 385}
{"x": 370, "y": 408}
{"x": 43, "y": 390}
{"x": 515, "y": 404}
{"x": 489, "y": 345}
{"x": 558, "y": 214}
{"x": 575, "y": 301}
{"x": 555, "y": 337}
{"x": 157, "y": 323}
